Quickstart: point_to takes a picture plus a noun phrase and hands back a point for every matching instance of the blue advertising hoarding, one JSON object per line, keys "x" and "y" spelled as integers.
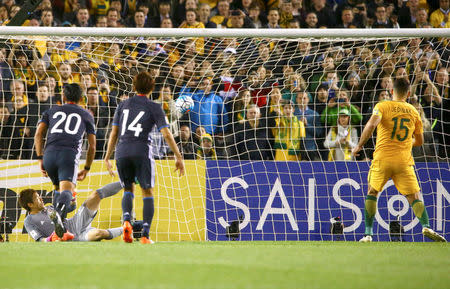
{"x": 297, "y": 200}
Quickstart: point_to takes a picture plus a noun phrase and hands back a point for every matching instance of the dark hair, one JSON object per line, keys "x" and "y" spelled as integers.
{"x": 111, "y": 9}
{"x": 91, "y": 88}
{"x": 143, "y": 83}
{"x": 73, "y": 92}
{"x": 401, "y": 86}
{"x": 25, "y": 197}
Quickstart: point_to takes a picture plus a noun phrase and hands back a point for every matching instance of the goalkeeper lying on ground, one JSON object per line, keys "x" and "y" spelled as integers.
{"x": 44, "y": 224}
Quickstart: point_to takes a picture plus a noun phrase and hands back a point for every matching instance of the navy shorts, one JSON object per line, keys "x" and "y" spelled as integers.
{"x": 61, "y": 165}
{"x": 132, "y": 168}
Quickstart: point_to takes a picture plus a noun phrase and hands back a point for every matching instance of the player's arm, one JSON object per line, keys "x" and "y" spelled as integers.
{"x": 179, "y": 164}
{"x": 367, "y": 133}
{"x": 112, "y": 141}
{"x": 39, "y": 144}
{"x": 92, "y": 140}
{"x": 417, "y": 140}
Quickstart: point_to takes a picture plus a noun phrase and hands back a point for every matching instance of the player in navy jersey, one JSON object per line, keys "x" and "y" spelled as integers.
{"x": 66, "y": 126}
{"x": 133, "y": 121}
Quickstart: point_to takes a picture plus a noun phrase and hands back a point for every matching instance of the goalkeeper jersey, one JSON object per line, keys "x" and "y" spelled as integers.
{"x": 39, "y": 225}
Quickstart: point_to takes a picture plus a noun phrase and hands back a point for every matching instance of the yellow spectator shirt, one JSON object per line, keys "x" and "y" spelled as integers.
{"x": 399, "y": 122}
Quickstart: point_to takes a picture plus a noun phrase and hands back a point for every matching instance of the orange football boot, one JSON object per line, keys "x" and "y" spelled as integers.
{"x": 127, "y": 232}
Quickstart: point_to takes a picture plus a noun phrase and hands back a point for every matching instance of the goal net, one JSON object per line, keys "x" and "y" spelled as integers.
{"x": 267, "y": 142}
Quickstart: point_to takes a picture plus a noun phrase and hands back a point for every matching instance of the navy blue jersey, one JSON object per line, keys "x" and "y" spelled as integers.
{"x": 136, "y": 118}
{"x": 66, "y": 127}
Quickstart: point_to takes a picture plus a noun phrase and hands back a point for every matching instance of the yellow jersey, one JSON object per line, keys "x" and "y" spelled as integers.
{"x": 399, "y": 122}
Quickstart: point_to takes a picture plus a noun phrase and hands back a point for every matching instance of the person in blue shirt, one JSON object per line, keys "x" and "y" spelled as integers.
{"x": 313, "y": 127}
{"x": 209, "y": 109}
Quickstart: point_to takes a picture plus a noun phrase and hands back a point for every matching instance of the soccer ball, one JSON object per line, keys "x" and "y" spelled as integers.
{"x": 184, "y": 103}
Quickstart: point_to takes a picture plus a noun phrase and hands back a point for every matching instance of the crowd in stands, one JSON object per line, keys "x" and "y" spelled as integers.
{"x": 254, "y": 99}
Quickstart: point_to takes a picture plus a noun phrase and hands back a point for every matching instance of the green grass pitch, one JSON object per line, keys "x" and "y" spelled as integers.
{"x": 225, "y": 265}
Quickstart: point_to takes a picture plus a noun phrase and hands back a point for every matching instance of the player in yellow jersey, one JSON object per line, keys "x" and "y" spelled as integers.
{"x": 399, "y": 128}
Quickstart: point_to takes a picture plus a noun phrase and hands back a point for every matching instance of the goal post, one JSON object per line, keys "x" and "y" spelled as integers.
{"x": 267, "y": 151}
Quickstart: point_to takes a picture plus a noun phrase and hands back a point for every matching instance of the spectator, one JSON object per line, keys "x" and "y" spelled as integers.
{"x": 311, "y": 20}
{"x": 163, "y": 12}
{"x": 382, "y": 20}
{"x": 83, "y": 18}
{"x": 441, "y": 80}
{"x": 341, "y": 138}
{"x": 238, "y": 19}
{"x": 47, "y": 18}
{"x": 54, "y": 95}
{"x": 117, "y": 4}
{"x": 209, "y": 110}
{"x": 204, "y": 13}
{"x": 4, "y": 16}
{"x": 314, "y": 130}
{"x": 101, "y": 118}
{"x": 360, "y": 13}
{"x": 408, "y": 14}
{"x": 427, "y": 151}
{"x": 6, "y": 126}
{"x": 330, "y": 114}
{"x": 43, "y": 103}
{"x": 139, "y": 19}
{"x": 239, "y": 107}
{"x": 36, "y": 109}
{"x": 255, "y": 15}
{"x": 165, "y": 98}
{"x": 65, "y": 75}
{"x": 421, "y": 18}
{"x": 440, "y": 17}
{"x": 17, "y": 91}
{"x": 289, "y": 134}
{"x": 325, "y": 15}
{"x": 206, "y": 150}
{"x": 321, "y": 76}
{"x": 223, "y": 12}
{"x": 294, "y": 83}
{"x": 252, "y": 139}
{"x": 260, "y": 86}
{"x": 191, "y": 22}
{"x": 166, "y": 23}
{"x": 181, "y": 8}
{"x": 286, "y": 13}
{"x": 22, "y": 139}
{"x": 348, "y": 19}
{"x": 185, "y": 143}
{"x": 101, "y": 22}
{"x": 273, "y": 18}
{"x": 321, "y": 100}
{"x": 113, "y": 18}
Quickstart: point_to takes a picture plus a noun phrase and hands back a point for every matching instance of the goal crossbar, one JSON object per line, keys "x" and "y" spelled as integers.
{"x": 180, "y": 32}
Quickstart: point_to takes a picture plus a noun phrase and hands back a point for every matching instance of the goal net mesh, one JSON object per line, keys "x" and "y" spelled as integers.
{"x": 267, "y": 145}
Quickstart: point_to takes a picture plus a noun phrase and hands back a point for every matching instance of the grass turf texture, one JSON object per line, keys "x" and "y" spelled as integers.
{"x": 225, "y": 265}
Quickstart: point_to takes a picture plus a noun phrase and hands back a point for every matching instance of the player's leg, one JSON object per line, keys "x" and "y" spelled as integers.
{"x": 93, "y": 200}
{"x": 370, "y": 209}
{"x": 147, "y": 213}
{"x": 100, "y": 234}
{"x": 127, "y": 170}
{"x": 146, "y": 178}
{"x": 377, "y": 178}
{"x": 407, "y": 184}
{"x": 67, "y": 163}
